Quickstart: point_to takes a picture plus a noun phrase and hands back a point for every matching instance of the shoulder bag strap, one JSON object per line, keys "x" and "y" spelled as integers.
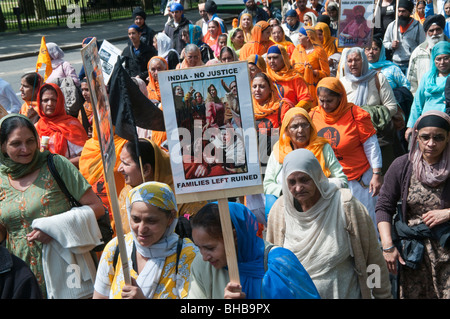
{"x": 62, "y": 186}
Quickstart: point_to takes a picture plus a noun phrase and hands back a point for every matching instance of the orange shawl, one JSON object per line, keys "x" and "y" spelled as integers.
{"x": 153, "y": 86}
{"x": 60, "y": 127}
{"x": 317, "y": 59}
{"x": 210, "y": 41}
{"x": 256, "y": 46}
{"x": 272, "y": 106}
{"x": 328, "y": 43}
{"x": 316, "y": 143}
{"x": 334, "y": 85}
{"x": 288, "y": 73}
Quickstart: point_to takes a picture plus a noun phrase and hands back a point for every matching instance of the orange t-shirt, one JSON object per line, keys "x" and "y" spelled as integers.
{"x": 296, "y": 91}
{"x": 346, "y": 137}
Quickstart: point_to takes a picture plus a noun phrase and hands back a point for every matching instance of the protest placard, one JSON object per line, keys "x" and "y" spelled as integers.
{"x": 105, "y": 133}
{"x": 211, "y": 132}
{"x": 356, "y": 23}
{"x": 108, "y": 56}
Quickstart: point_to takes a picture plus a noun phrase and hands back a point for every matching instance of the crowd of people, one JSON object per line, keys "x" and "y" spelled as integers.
{"x": 356, "y": 183}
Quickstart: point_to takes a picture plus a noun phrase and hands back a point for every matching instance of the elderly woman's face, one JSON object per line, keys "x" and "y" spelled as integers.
{"x": 148, "y": 223}
{"x": 303, "y": 188}
{"x": 211, "y": 248}
{"x": 192, "y": 58}
{"x": 299, "y": 131}
{"x": 155, "y": 67}
{"x": 20, "y": 145}
{"x": 354, "y": 63}
{"x": 432, "y": 142}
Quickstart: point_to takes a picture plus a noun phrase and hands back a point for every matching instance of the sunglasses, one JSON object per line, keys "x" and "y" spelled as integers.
{"x": 436, "y": 138}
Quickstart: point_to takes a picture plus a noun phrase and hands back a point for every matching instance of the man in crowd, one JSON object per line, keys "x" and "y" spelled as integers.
{"x": 403, "y": 38}
{"x": 147, "y": 33}
{"x": 256, "y": 12}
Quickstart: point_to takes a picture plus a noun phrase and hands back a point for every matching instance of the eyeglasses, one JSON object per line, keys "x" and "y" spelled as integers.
{"x": 437, "y": 138}
{"x": 295, "y": 127}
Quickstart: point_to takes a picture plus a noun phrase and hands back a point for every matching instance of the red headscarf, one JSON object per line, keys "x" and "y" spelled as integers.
{"x": 60, "y": 127}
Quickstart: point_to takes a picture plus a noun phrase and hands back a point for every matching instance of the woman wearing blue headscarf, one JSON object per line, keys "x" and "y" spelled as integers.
{"x": 279, "y": 276}
{"x": 193, "y": 35}
{"x": 430, "y": 93}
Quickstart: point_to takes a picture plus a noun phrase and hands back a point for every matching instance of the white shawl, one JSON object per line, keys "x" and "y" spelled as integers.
{"x": 69, "y": 269}
{"x": 314, "y": 235}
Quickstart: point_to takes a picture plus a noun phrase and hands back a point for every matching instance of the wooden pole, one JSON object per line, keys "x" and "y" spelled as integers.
{"x": 396, "y": 22}
{"x": 377, "y": 8}
{"x": 142, "y": 168}
{"x": 228, "y": 238}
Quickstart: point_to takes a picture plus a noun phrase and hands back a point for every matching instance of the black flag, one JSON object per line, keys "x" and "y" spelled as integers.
{"x": 130, "y": 107}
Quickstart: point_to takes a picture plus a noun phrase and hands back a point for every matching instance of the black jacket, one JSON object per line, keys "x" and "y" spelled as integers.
{"x": 175, "y": 33}
{"x": 137, "y": 65}
{"x": 16, "y": 279}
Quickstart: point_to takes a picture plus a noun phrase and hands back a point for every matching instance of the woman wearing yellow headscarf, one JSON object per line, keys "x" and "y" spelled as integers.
{"x": 298, "y": 131}
{"x": 310, "y": 60}
{"x": 260, "y": 41}
{"x": 246, "y": 24}
{"x": 159, "y": 260}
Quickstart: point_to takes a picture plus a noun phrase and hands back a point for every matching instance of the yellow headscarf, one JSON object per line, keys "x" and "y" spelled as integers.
{"x": 316, "y": 143}
{"x": 328, "y": 43}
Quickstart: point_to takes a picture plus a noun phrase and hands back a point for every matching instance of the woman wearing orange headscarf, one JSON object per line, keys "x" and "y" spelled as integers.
{"x": 66, "y": 134}
{"x": 260, "y": 41}
{"x": 155, "y": 65}
{"x": 288, "y": 81}
{"x": 350, "y": 131}
{"x": 310, "y": 60}
{"x": 246, "y": 24}
{"x": 298, "y": 131}
{"x": 213, "y": 33}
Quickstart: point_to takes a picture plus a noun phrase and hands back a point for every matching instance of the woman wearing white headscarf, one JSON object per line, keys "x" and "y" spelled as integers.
{"x": 157, "y": 269}
{"x": 61, "y": 68}
{"x": 329, "y": 231}
{"x": 164, "y": 46}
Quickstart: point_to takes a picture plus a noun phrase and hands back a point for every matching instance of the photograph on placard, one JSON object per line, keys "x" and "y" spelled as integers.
{"x": 355, "y": 23}
{"x": 210, "y": 127}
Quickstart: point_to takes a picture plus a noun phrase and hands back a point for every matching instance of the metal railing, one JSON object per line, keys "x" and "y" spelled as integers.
{"x": 26, "y": 15}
